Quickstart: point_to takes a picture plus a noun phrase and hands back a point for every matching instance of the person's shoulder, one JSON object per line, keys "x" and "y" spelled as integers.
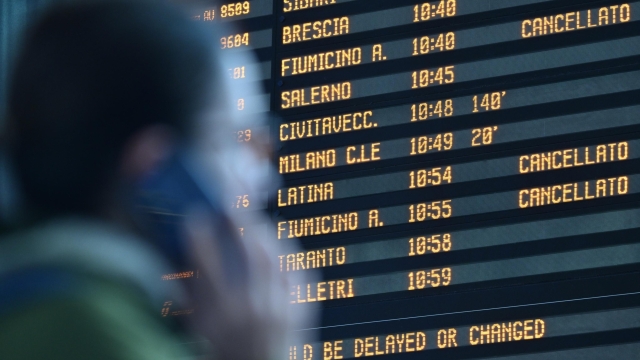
{"x": 82, "y": 289}
{"x": 91, "y": 248}
{"x": 104, "y": 321}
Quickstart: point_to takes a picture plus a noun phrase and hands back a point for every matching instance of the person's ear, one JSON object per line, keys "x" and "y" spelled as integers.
{"x": 146, "y": 150}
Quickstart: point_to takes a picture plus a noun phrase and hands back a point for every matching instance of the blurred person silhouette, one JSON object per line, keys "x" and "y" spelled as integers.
{"x": 104, "y": 94}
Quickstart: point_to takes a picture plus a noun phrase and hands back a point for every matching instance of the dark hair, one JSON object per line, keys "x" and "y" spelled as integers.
{"x": 89, "y": 77}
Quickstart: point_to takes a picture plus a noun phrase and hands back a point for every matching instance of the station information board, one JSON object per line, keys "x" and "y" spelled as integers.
{"x": 465, "y": 174}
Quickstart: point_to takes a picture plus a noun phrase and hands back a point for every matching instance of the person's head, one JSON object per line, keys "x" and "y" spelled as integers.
{"x": 97, "y": 95}
{"x": 97, "y": 92}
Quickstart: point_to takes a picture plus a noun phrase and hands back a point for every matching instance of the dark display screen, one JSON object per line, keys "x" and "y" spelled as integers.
{"x": 464, "y": 174}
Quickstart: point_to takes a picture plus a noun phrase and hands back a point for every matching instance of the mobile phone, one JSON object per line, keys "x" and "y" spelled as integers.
{"x": 162, "y": 201}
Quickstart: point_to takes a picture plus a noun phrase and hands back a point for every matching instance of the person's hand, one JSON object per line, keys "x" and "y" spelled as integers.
{"x": 250, "y": 319}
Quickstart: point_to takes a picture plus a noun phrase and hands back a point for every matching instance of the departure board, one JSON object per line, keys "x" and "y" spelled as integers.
{"x": 465, "y": 174}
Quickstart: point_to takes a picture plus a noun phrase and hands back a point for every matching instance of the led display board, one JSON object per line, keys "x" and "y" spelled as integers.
{"x": 465, "y": 174}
